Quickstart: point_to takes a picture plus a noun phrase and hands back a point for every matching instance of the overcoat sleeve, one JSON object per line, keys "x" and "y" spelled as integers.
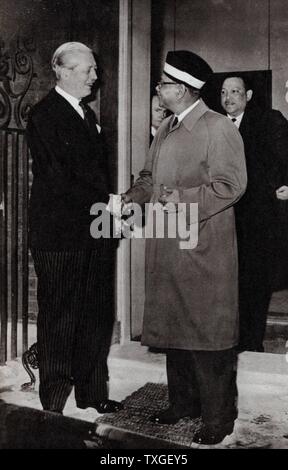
{"x": 142, "y": 189}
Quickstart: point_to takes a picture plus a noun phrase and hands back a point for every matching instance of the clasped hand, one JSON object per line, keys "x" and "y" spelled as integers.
{"x": 122, "y": 204}
{"x": 168, "y": 195}
{"x": 282, "y": 193}
{"x": 119, "y": 205}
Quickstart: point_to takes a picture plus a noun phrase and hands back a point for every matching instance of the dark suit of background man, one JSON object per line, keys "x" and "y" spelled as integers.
{"x": 191, "y": 304}
{"x": 75, "y": 271}
{"x": 259, "y": 215}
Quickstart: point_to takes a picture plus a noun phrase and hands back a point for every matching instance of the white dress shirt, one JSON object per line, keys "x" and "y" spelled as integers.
{"x": 238, "y": 119}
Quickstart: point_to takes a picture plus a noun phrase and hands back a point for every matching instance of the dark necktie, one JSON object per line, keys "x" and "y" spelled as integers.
{"x": 234, "y": 120}
{"x": 88, "y": 116}
{"x": 175, "y": 122}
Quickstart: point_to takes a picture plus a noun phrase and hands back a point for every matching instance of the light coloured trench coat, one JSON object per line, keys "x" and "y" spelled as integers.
{"x": 192, "y": 294}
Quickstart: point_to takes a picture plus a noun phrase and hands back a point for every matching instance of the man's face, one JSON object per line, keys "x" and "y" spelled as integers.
{"x": 158, "y": 113}
{"x": 234, "y": 97}
{"x": 167, "y": 93}
{"x": 80, "y": 73}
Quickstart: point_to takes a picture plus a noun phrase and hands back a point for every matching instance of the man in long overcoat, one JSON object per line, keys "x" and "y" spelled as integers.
{"x": 191, "y": 306}
{"x": 261, "y": 218}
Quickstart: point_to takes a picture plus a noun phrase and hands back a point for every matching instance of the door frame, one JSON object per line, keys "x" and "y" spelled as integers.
{"x": 133, "y": 145}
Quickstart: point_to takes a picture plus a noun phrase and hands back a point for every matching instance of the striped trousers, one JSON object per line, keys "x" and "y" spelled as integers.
{"x": 74, "y": 325}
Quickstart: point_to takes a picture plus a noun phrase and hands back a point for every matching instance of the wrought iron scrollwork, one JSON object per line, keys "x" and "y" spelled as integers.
{"x": 16, "y": 74}
{"x": 30, "y": 360}
{"x": 5, "y": 109}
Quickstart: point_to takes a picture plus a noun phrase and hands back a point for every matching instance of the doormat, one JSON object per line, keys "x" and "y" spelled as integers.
{"x": 131, "y": 426}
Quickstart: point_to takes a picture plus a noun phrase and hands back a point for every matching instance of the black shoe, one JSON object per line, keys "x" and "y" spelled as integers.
{"x": 242, "y": 347}
{"x": 211, "y": 435}
{"x": 259, "y": 348}
{"x": 171, "y": 416}
{"x": 253, "y": 347}
{"x": 105, "y": 406}
{"x": 109, "y": 406}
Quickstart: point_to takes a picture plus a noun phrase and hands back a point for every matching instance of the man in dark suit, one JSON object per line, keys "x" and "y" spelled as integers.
{"x": 75, "y": 271}
{"x": 259, "y": 213}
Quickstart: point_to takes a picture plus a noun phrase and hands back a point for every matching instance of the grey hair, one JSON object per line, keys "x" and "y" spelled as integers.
{"x": 68, "y": 48}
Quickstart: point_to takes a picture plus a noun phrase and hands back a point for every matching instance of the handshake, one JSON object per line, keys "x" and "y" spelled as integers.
{"x": 129, "y": 218}
{"x": 119, "y": 205}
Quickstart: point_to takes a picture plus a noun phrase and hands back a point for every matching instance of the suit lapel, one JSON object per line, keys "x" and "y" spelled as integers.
{"x": 245, "y": 126}
{"x": 68, "y": 113}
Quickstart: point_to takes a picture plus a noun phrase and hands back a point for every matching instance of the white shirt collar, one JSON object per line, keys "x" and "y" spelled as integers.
{"x": 71, "y": 99}
{"x": 153, "y": 131}
{"x": 186, "y": 111}
{"x": 238, "y": 119}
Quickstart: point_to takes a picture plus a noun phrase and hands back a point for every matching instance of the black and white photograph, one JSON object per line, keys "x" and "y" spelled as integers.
{"x": 144, "y": 227}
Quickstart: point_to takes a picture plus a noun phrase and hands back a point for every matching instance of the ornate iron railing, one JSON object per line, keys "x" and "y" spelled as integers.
{"x": 14, "y": 189}
{"x": 16, "y": 74}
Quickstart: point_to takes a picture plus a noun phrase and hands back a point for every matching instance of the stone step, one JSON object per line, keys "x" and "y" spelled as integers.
{"x": 24, "y": 427}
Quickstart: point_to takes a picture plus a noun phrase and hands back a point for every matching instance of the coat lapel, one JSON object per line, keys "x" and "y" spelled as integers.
{"x": 245, "y": 127}
{"x": 191, "y": 119}
{"x": 69, "y": 114}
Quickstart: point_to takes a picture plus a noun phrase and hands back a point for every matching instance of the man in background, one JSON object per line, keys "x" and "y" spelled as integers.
{"x": 75, "y": 272}
{"x": 158, "y": 113}
{"x": 259, "y": 216}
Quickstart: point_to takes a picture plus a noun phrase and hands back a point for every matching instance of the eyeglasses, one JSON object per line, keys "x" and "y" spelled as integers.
{"x": 160, "y": 84}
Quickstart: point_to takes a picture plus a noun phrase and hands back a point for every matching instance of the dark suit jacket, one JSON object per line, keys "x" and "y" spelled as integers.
{"x": 260, "y": 217}
{"x": 70, "y": 174}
